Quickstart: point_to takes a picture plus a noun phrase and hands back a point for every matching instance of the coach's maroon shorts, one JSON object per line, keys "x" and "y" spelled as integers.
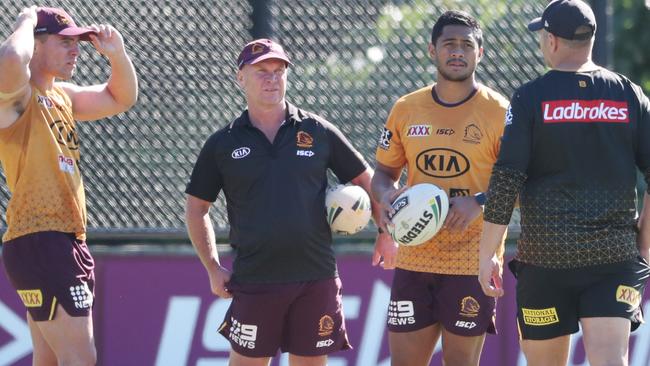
{"x": 418, "y": 300}
{"x": 302, "y": 318}
{"x": 50, "y": 268}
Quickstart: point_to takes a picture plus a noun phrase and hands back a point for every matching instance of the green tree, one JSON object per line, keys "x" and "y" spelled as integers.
{"x": 632, "y": 41}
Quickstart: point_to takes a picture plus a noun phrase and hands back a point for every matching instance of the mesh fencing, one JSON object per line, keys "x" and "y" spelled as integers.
{"x": 353, "y": 59}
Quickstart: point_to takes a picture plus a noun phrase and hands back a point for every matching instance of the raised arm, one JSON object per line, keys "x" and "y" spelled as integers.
{"x": 115, "y": 96}
{"x": 15, "y": 54}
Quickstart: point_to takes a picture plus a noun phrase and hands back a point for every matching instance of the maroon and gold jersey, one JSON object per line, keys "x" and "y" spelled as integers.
{"x": 40, "y": 158}
{"x": 453, "y": 147}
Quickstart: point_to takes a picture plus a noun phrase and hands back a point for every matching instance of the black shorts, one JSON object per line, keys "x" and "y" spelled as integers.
{"x": 50, "y": 268}
{"x": 551, "y": 302}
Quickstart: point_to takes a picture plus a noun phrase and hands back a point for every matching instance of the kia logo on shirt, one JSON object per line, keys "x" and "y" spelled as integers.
{"x": 442, "y": 163}
{"x": 240, "y": 153}
{"x": 585, "y": 111}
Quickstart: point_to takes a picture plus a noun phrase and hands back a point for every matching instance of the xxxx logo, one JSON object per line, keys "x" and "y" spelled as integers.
{"x": 419, "y": 131}
{"x": 31, "y": 298}
{"x": 628, "y": 295}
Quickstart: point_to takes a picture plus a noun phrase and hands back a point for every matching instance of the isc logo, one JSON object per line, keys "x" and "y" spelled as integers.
{"x": 445, "y": 131}
{"x": 325, "y": 343}
{"x": 464, "y": 324}
{"x": 442, "y": 163}
{"x": 307, "y": 153}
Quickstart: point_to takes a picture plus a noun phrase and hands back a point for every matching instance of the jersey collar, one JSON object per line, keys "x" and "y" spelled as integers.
{"x": 434, "y": 95}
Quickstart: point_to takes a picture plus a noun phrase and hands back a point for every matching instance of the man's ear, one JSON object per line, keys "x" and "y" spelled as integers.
{"x": 480, "y": 54}
{"x": 432, "y": 52}
{"x": 240, "y": 79}
{"x": 554, "y": 41}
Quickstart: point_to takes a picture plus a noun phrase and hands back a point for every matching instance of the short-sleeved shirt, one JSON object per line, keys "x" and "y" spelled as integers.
{"x": 571, "y": 149}
{"x": 454, "y": 147}
{"x": 275, "y": 194}
{"x": 40, "y": 158}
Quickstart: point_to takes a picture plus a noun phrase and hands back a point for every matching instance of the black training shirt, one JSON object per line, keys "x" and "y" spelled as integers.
{"x": 275, "y": 194}
{"x": 570, "y": 149}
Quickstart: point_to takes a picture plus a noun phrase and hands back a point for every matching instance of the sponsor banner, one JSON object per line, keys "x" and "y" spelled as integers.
{"x": 585, "y": 111}
{"x": 158, "y": 310}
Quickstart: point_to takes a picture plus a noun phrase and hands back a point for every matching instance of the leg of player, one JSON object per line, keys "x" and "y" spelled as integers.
{"x": 606, "y": 340}
{"x": 237, "y": 359}
{"x": 70, "y": 338}
{"x": 548, "y": 352}
{"x": 413, "y": 348}
{"x": 42, "y": 354}
{"x": 461, "y": 350}
{"x": 295, "y": 360}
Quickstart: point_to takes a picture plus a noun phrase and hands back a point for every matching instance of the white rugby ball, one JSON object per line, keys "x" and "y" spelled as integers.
{"x": 348, "y": 209}
{"x": 420, "y": 212}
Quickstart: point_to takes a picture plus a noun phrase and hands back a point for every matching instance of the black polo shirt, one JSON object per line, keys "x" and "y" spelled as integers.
{"x": 275, "y": 194}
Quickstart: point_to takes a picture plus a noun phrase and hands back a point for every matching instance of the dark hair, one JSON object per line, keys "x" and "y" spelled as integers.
{"x": 456, "y": 17}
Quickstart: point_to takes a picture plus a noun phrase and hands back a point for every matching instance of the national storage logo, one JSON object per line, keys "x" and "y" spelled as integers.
{"x": 540, "y": 317}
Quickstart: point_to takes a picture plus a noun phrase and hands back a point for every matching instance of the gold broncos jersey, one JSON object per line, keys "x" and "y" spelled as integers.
{"x": 40, "y": 158}
{"x": 453, "y": 147}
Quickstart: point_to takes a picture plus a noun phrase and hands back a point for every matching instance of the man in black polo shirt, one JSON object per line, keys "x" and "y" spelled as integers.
{"x": 271, "y": 163}
{"x": 573, "y": 141}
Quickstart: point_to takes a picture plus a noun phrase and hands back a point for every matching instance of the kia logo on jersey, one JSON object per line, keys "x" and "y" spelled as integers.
{"x": 442, "y": 163}
{"x": 585, "y": 111}
{"x": 240, "y": 153}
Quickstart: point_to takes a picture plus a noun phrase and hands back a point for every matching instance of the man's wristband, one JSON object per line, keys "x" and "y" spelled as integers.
{"x": 480, "y": 198}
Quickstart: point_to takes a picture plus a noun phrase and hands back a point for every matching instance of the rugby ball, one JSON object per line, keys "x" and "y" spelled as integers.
{"x": 348, "y": 209}
{"x": 419, "y": 213}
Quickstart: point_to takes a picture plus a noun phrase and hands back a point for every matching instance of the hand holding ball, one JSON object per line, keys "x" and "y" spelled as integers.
{"x": 419, "y": 214}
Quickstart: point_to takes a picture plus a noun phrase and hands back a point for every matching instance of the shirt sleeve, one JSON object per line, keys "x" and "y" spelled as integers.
{"x": 500, "y": 120}
{"x": 205, "y": 181}
{"x": 509, "y": 172}
{"x": 345, "y": 161}
{"x": 390, "y": 151}
{"x": 643, "y": 136}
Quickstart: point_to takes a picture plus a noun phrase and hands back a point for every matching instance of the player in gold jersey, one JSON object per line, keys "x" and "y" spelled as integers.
{"x": 44, "y": 249}
{"x": 447, "y": 134}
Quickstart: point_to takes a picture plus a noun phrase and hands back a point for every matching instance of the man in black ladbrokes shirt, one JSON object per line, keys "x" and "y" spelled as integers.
{"x": 573, "y": 141}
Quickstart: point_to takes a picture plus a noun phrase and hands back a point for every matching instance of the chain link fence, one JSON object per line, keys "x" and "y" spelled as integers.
{"x": 353, "y": 59}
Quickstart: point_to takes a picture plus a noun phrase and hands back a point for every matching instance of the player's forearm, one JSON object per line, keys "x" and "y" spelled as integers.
{"x": 123, "y": 82}
{"x": 363, "y": 180}
{"x": 505, "y": 185}
{"x": 491, "y": 238}
{"x": 380, "y": 184}
{"x": 201, "y": 233}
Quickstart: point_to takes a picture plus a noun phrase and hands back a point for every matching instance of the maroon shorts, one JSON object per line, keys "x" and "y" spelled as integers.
{"x": 418, "y": 300}
{"x": 302, "y": 318}
{"x": 50, "y": 268}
